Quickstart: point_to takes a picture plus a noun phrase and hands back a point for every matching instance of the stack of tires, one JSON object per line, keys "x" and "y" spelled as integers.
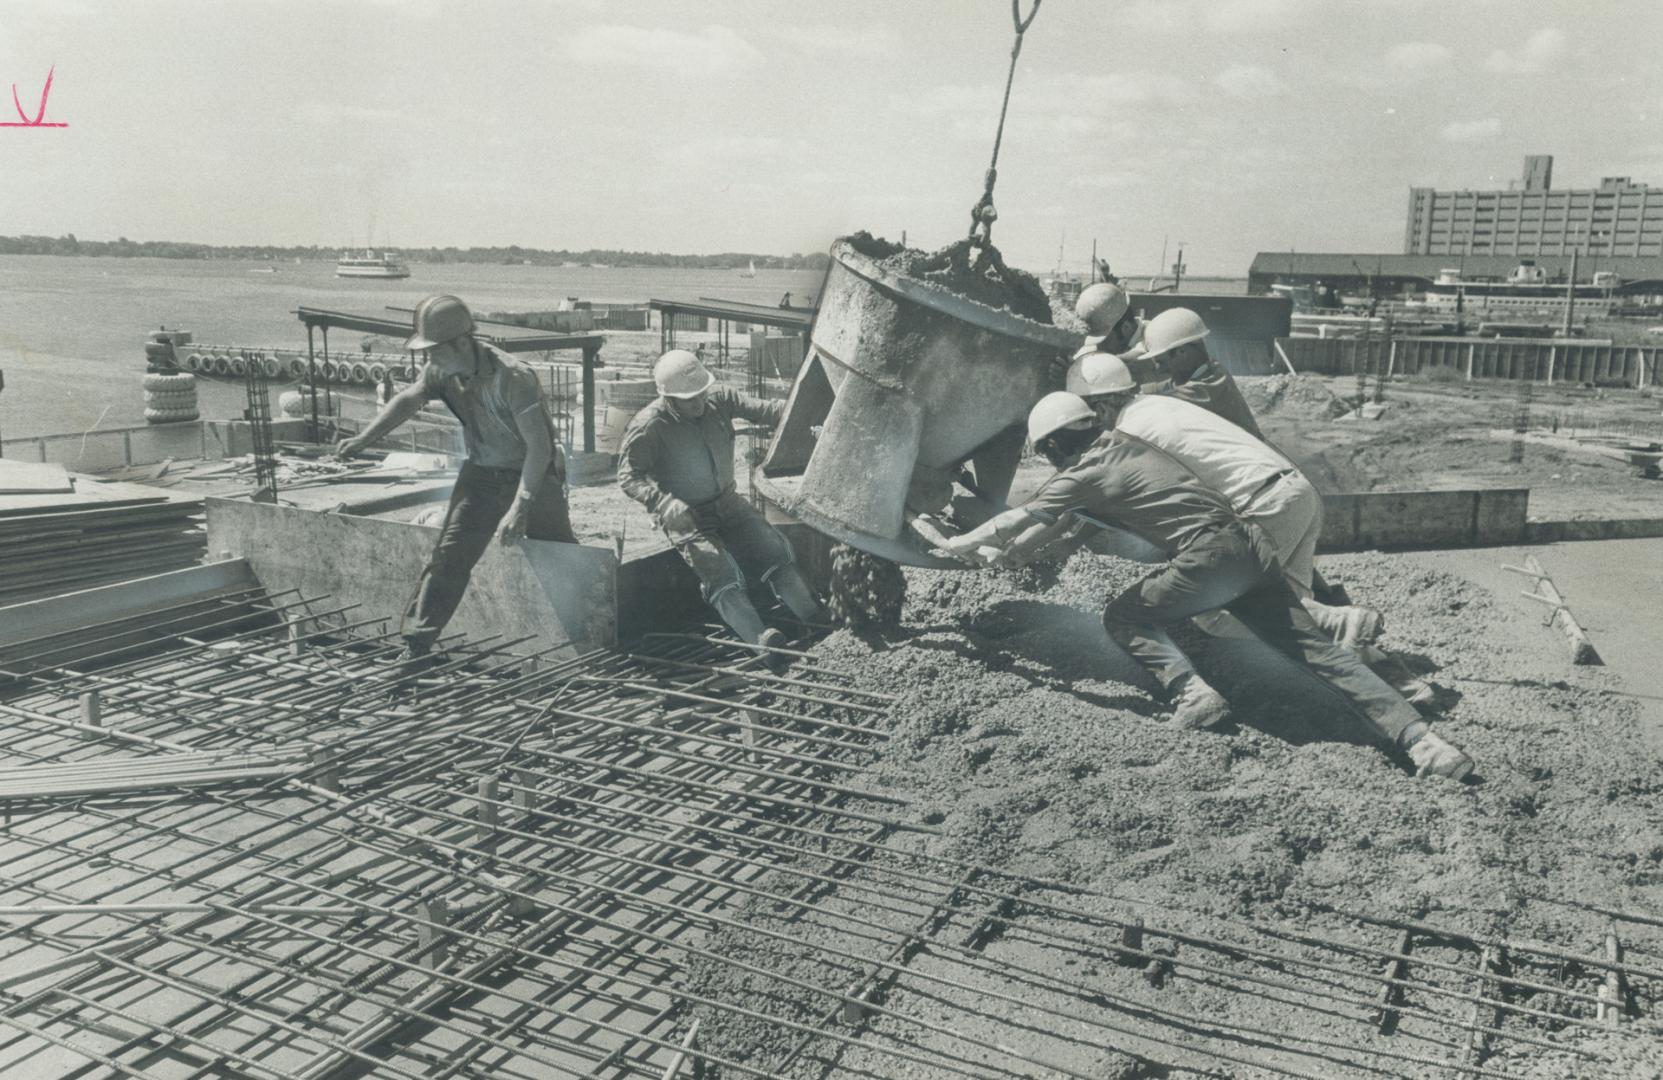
{"x": 169, "y": 398}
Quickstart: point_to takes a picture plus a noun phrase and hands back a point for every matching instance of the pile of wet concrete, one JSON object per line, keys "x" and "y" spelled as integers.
{"x": 1034, "y": 748}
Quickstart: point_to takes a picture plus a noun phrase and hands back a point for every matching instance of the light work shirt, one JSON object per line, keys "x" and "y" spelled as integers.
{"x": 1222, "y": 455}
{"x": 1123, "y": 482}
{"x": 489, "y": 403}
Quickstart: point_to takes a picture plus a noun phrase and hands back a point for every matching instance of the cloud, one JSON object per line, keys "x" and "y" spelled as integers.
{"x": 1106, "y": 180}
{"x": 1469, "y": 131}
{"x": 1222, "y": 16}
{"x": 1538, "y": 52}
{"x": 1248, "y": 81}
{"x": 875, "y": 40}
{"x": 1418, "y": 55}
{"x": 710, "y": 50}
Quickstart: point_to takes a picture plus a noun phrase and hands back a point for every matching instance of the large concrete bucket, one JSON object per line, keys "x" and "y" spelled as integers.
{"x": 905, "y": 382}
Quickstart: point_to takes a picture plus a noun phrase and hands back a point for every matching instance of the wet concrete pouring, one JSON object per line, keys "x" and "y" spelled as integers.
{"x": 1278, "y": 865}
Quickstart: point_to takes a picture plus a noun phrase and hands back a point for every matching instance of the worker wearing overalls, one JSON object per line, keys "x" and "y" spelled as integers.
{"x": 677, "y": 461}
{"x": 513, "y": 483}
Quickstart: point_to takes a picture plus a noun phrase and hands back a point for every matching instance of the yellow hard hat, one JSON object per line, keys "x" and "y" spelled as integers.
{"x": 439, "y": 319}
{"x": 680, "y": 374}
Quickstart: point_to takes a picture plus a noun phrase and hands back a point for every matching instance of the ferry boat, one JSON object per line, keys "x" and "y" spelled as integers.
{"x": 371, "y": 265}
{"x": 1526, "y": 289}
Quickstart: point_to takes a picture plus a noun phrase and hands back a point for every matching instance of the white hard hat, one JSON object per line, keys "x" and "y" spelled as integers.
{"x": 680, "y": 374}
{"x": 1055, "y": 411}
{"x": 1100, "y": 306}
{"x": 439, "y": 319}
{"x": 1170, "y": 329}
{"x": 1099, "y": 373}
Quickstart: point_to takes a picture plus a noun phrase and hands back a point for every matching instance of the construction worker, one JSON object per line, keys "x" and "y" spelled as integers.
{"x": 1112, "y": 327}
{"x": 1175, "y": 339}
{"x": 677, "y": 461}
{"x": 1260, "y": 484}
{"x": 1216, "y": 560}
{"x": 513, "y": 483}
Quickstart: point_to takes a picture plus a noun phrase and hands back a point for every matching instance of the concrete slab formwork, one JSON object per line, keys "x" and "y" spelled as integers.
{"x": 563, "y": 596}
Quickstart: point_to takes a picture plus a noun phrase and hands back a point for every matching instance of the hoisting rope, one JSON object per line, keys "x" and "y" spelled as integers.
{"x": 983, "y": 215}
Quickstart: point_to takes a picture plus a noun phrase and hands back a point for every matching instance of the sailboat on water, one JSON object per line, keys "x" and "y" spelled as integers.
{"x": 750, "y": 270}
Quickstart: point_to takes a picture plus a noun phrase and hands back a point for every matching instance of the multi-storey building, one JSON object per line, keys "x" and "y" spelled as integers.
{"x": 1618, "y": 218}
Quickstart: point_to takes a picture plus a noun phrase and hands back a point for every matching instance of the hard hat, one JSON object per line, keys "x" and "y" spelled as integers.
{"x": 680, "y": 374}
{"x": 1170, "y": 329}
{"x": 439, "y": 319}
{"x": 1099, "y": 373}
{"x": 1055, "y": 411}
{"x": 1101, "y": 305}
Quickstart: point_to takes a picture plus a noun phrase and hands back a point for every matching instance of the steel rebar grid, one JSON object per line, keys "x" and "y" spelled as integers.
{"x": 592, "y": 764}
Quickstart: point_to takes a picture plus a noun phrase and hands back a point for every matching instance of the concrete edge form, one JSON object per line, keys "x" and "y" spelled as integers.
{"x": 563, "y": 595}
{"x": 1430, "y": 519}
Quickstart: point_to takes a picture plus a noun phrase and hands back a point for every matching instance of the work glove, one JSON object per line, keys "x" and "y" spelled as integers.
{"x": 675, "y": 516}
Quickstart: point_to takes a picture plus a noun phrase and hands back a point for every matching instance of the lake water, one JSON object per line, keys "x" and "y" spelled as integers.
{"x": 72, "y": 330}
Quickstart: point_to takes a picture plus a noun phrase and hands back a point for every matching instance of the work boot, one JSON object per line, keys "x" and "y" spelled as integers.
{"x": 1197, "y": 705}
{"x": 774, "y": 639}
{"x": 1433, "y": 756}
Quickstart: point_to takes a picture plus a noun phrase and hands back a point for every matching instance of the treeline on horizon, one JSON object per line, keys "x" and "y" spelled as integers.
{"x": 124, "y": 248}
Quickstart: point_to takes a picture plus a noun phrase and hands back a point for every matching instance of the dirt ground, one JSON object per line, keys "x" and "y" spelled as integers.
{"x": 1439, "y": 435}
{"x": 1037, "y": 751}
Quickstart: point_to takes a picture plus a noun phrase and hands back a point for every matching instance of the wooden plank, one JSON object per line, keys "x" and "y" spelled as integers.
{"x": 1582, "y": 649}
{"x": 33, "y": 478}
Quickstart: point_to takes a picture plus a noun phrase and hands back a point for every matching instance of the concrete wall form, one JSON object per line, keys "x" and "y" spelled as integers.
{"x": 564, "y": 595}
{"x": 1424, "y": 519}
{"x": 1477, "y": 358}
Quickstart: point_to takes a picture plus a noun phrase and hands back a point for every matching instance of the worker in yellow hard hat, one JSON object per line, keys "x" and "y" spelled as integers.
{"x": 1214, "y": 560}
{"x": 513, "y": 483}
{"x": 677, "y": 460}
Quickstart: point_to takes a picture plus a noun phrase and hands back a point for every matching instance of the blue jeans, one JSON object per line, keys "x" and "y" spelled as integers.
{"x": 1235, "y": 568}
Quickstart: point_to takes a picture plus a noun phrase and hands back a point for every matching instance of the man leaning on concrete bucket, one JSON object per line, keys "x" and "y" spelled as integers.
{"x": 1215, "y": 560}
{"x": 677, "y": 460}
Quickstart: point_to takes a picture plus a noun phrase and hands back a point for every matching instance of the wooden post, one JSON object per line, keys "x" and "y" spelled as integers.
{"x": 1471, "y": 349}
{"x": 485, "y": 832}
{"x": 525, "y": 795}
{"x": 432, "y": 944}
{"x": 1611, "y": 990}
{"x": 92, "y": 712}
{"x": 590, "y": 356}
{"x": 1391, "y": 993}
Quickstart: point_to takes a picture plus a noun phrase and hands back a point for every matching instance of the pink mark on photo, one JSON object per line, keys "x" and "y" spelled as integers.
{"x": 39, "y": 120}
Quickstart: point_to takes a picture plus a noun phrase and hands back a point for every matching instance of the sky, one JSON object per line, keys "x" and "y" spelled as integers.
{"x": 772, "y": 126}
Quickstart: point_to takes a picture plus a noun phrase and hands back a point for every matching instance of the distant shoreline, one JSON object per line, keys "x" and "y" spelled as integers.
{"x": 512, "y": 255}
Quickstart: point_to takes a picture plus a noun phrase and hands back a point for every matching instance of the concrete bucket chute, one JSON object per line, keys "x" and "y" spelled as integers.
{"x": 906, "y": 382}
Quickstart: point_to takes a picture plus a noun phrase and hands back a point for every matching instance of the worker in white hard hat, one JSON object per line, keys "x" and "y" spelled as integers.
{"x": 677, "y": 461}
{"x": 1112, "y": 327}
{"x": 1176, "y": 341}
{"x": 1260, "y": 484}
{"x": 513, "y": 482}
{"x": 1216, "y": 560}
